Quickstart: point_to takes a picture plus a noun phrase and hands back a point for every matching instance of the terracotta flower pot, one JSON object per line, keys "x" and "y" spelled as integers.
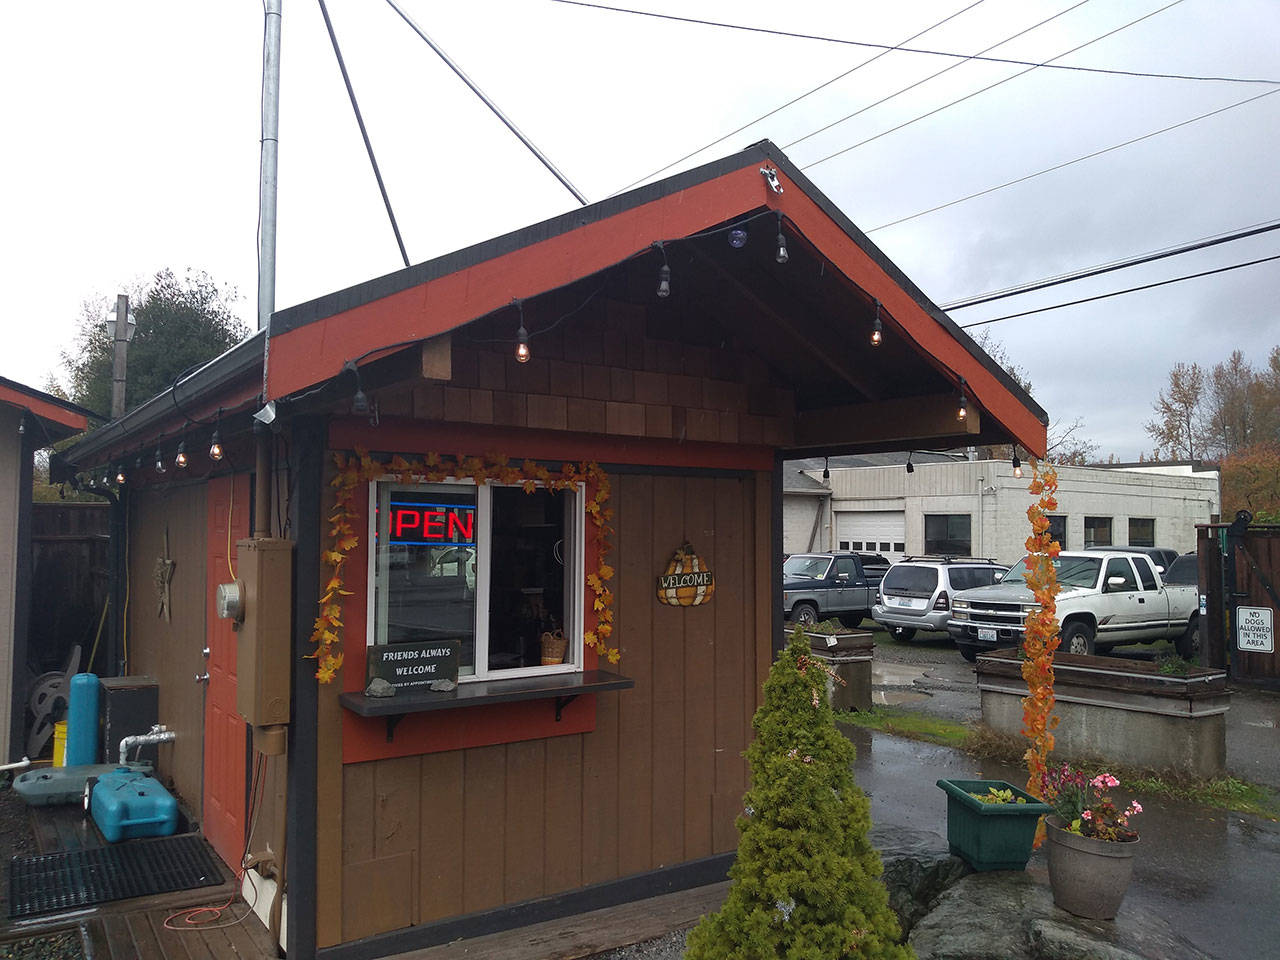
{"x": 1089, "y": 877}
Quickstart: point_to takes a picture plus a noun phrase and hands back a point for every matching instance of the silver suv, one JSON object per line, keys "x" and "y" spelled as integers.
{"x": 916, "y": 593}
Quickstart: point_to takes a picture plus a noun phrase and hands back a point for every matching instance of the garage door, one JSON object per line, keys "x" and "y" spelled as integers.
{"x": 873, "y": 531}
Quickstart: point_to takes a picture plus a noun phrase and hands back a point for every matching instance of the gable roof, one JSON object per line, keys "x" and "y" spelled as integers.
{"x": 312, "y": 342}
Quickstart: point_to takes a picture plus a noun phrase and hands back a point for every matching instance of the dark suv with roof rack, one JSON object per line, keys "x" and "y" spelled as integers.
{"x": 916, "y": 592}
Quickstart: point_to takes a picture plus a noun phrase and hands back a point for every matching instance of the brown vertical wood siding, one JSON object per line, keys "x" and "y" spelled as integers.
{"x": 171, "y": 651}
{"x": 657, "y": 783}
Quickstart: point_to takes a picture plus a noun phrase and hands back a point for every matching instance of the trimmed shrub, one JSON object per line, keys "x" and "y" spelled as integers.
{"x": 805, "y": 885}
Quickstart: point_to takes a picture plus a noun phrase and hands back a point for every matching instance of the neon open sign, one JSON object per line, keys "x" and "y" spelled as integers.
{"x": 435, "y": 523}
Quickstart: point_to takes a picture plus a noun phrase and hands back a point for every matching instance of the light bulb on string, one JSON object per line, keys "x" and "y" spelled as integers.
{"x": 1017, "y": 466}
{"x": 215, "y": 447}
{"x": 781, "y": 254}
{"x": 180, "y": 461}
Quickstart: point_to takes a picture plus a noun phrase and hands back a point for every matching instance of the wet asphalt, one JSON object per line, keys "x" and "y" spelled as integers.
{"x": 1213, "y": 875}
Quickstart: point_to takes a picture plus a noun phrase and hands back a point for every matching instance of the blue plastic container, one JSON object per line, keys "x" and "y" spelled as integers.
{"x": 127, "y": 804}
{"x": 82, "y": 721}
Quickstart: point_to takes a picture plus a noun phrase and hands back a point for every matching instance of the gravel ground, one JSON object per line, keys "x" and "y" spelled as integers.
{"x": 667, "y": 947}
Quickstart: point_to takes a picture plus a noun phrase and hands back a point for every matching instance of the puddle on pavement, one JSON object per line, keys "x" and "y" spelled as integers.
{"x": 896, "y": 698}
{"x": 895, "y": 675}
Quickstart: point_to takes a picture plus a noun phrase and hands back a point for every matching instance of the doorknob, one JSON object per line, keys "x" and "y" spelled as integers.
{"x": 206, "y": 651}
{"x": 202, "y": 677}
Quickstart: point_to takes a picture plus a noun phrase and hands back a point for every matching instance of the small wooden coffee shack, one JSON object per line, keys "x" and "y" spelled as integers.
{"x": 490, "y": 559}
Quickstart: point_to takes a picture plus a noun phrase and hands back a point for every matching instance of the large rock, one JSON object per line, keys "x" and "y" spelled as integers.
{"x": 917, "y": 868}
{"x": 1007, "y": 915}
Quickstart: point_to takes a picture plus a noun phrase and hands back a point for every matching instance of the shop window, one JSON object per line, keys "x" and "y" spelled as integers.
{"x": 947, "y": 534}
{"x": 491, "y": 567}
{"x": 1097, "y": 532}
{"x": 1142, "y": 532}
{"x": 1058, "y": 530}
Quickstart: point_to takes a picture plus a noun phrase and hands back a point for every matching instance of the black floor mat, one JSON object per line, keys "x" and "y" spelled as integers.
{"x": 79, "y": 878}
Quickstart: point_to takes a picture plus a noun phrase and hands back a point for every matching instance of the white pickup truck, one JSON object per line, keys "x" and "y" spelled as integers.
{"x": 1104, "y": 599}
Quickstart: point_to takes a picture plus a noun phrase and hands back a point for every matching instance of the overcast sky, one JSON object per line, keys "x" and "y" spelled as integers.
{"x": 132, "y": 137}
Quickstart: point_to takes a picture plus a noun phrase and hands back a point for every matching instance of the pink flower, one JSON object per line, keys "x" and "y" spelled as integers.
{"x": 1136, "y": 807}
{"x": 1086, "y": 815}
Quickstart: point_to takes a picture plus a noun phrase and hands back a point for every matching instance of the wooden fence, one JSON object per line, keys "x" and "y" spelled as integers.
{"x": 69, "y": 547}
{"x": 1240, "y": 591}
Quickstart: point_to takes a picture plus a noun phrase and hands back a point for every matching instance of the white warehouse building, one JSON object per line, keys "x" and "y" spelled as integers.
{"x": 978, "y": 508}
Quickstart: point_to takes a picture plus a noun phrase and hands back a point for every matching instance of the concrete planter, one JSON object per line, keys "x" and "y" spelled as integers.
{"x": 849, "y": 656}
{"x": 1088, "y": 877}
{"x": 1120, "y": 710}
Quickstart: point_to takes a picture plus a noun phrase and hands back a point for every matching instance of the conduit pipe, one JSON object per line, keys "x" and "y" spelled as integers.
{"x": 159, "y": 734}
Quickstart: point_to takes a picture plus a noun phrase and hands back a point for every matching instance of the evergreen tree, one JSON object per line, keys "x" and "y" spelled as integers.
{"x": 806, "y": 882}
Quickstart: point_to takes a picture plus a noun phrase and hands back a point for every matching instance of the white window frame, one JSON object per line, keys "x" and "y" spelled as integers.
{"x": 575, "y": 576}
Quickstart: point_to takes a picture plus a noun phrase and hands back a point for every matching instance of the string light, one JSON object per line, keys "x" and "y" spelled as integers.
{"x": 215, "y": 447}
{"x": 781, "y": 256}
{"x": 360, "y": 400}
{"x": 826, "y": 468}
{"x": 180, "y": 461}
{"x": 1017, "y": 465}
{"x": 160, "y": 467}
{"x": 877, "y": 328}
{"x": 737, "y": 238}
{"x": 911, "y": 467}
{"x": 962, "y": 413}
{"x": 664, "y": 273}
{"x": 120, "y": 477}
{"x": 523, "y": 352}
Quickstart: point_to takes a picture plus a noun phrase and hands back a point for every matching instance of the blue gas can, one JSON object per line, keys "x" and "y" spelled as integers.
{"x": 127, "y": 804}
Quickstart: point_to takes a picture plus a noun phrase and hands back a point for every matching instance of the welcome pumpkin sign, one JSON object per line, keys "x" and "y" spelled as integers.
{"x": 687, "y": 582}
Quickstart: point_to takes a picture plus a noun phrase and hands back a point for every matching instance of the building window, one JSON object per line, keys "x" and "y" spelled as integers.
{"x": 844, "y": 544}
{"x": 947, "y": 534}
{"x": 1142, "y": 532}
{"x": 491, "y": 567}
{"x": 1058, "y": 530}
{"x": 1097, "y": 532}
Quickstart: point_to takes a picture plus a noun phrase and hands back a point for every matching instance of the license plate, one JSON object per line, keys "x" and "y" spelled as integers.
{"x": 987, "y": 634}
{"x": 900, "y": 601}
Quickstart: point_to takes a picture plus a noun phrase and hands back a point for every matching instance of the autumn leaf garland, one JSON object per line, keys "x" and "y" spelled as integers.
{"x": 356, "y": 471}
{"x": 1041, "y": 638}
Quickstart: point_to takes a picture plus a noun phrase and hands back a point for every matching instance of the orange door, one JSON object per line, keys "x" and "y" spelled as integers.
{"x": 225, "y": 732}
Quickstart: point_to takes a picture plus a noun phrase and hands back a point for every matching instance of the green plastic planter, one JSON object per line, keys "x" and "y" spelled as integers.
{"x": 991, "y": 836}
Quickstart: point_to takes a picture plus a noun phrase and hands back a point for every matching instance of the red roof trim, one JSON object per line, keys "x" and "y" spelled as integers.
{"x": 46, "y": 408}
{"x": 315, "y": 352}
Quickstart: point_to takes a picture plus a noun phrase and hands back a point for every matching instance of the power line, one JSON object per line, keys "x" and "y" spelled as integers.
{"x": 1117, "y": 293}
{"x": 373, "y": 161}
{"x": 497, "y": 112}
{"x": 1067, "y": 163}
{"x": 1114, "y": 265}
{"x": 795, "y": 100}
{"x": 932, "y": 76}
{"x": 902, "y": 49}
{"x": 990, "y": 86}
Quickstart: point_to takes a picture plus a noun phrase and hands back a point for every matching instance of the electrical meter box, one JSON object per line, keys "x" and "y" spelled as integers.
{"x": 265, "y": 638}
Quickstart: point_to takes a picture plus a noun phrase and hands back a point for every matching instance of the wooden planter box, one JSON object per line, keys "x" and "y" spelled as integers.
{"x": 1120, "y": 710}
{"x": 849, "y": 656}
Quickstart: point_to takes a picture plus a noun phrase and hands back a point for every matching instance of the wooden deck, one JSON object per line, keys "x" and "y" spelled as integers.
{"x": 586, "y": 934}
{"x": 135, "y": 929}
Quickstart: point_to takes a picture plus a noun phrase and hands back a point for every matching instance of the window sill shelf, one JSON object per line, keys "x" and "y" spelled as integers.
{"x": 561, "y": 688}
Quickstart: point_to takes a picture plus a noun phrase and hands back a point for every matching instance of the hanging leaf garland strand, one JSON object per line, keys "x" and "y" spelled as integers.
{"x": 1042, "y": 636}
{"x": 356, "y": 471}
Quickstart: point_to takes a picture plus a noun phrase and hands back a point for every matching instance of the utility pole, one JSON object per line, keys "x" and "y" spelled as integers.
{"x": 120, "y": 344}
